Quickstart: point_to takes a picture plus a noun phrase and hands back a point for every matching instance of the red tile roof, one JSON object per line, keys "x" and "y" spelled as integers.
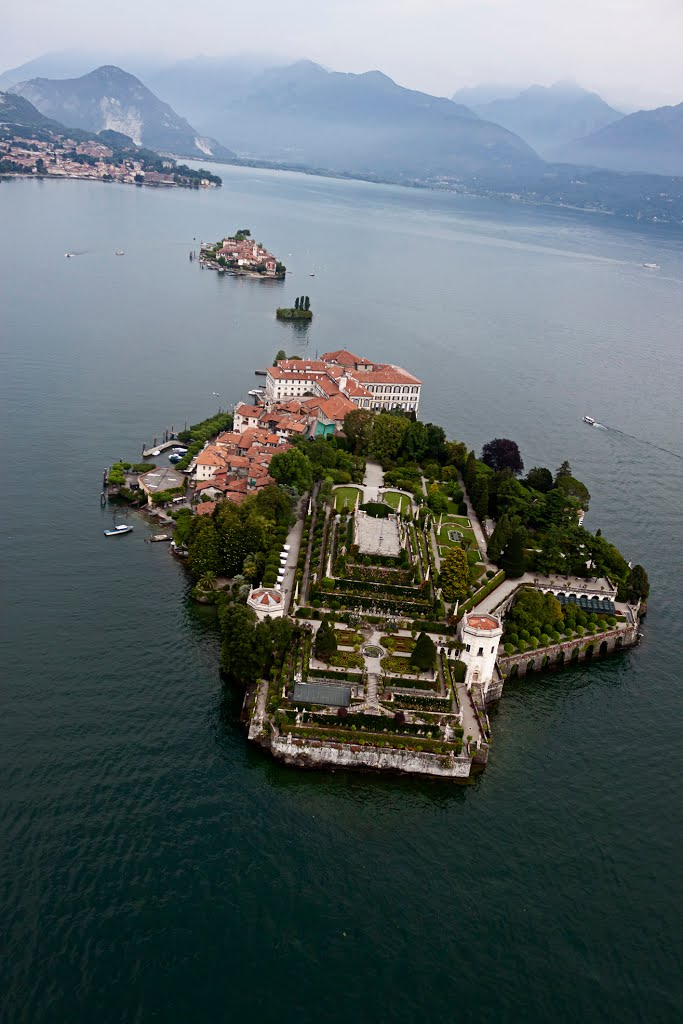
{"x": 205, "y": 508}
{"x": 343, "y": 357}
{"x": 386, "y": 373}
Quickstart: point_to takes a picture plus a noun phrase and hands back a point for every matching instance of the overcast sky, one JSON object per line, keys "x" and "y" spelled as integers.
{"x": 628, "y": 50}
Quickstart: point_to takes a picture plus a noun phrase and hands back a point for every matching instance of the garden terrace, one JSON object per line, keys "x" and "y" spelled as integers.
{"x": 404, "y": 644}
{"x": 400, "y": 502}
{"x": 413, "y": 702}
{"x": 377, "y": 535}
{"x": 414, "y": 743}
{"x": 346, "y": 497}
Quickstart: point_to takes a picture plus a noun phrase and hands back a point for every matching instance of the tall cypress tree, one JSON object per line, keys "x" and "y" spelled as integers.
{"x": 512, "y": 560}
{"x": 325, "y": 641}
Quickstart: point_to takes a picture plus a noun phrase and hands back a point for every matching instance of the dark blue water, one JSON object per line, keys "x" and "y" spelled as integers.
{"x": 152, "y": 865}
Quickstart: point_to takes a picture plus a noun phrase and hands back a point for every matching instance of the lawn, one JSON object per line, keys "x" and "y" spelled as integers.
{"x": 398, "y": 501}
{"x": 459, "y": 527}
{"x": 460, "y": 521}
{"x": 346, "y": 496}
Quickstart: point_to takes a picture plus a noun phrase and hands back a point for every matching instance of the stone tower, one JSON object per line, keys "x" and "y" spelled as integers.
{"x": 481, "y": 635}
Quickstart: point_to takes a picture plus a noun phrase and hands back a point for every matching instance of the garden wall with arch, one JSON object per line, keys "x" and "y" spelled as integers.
{"x": 568, "y": 652}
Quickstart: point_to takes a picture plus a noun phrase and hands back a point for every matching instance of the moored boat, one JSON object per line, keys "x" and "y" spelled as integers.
{"x": 118, "y": 530}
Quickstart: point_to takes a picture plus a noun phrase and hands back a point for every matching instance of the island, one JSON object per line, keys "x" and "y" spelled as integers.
{"x": 377, "y": 584}
{"x": 301, "y": 310}
{"x": 240, "y": 256}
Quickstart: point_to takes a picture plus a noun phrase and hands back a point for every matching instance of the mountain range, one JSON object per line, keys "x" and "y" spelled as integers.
{"x": 18, "y": 111}
{"x": 109, "y": 98}
{"x": 647, "y": 141}
{"x": 548, "y": 117}
{"x": 366, "y": 125}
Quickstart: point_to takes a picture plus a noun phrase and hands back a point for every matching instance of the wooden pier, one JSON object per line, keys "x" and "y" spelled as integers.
{"x": 175, "y": 443}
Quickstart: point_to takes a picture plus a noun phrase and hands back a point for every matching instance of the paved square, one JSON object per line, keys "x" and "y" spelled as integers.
{"x": 377, "y": 536}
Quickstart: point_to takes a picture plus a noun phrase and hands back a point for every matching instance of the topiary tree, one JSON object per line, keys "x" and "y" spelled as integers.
{"x": 423, "y": 656}
{"x": 325, "y": 641}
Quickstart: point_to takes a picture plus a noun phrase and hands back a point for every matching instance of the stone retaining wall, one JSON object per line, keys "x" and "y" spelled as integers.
{"x": 327, "y": 754}
{"x": 562, "y": 653}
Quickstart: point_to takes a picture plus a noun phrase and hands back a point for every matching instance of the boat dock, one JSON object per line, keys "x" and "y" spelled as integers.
{"x": 174, "y": 443}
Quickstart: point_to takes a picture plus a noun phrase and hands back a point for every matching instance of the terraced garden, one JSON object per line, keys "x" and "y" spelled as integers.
{"x": 346, "y": 496}
{"x": 401, "y": 502}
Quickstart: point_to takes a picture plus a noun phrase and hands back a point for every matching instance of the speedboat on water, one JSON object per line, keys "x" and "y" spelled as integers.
{"x": 652, "y": 266}
{"x": 118, "y": 530}
{"x": 589, "y": 420}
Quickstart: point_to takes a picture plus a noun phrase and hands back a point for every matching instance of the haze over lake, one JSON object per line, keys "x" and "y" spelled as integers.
{"x": 153, "y": 865}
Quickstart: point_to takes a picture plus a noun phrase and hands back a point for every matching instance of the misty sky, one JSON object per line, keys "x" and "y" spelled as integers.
{"x": 628, "y": 50}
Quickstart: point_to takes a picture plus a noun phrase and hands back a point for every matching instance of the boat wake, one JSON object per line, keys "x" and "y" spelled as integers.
{"x": 632, "y": 437}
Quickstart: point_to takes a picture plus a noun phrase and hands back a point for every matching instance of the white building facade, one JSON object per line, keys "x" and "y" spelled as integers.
{"x": 481, "y": 636}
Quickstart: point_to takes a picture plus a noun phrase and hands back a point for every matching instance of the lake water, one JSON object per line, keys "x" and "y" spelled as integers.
{"x": 155, "y": 867}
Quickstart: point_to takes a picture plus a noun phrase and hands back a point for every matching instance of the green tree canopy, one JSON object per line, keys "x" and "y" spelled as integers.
{"x": 423, "y": 655}
{"x": 513, "y": 560}
{"x": 203, "y": 547}
{"x": 416, "y": 442}
{"x": 242, "y": 656}
{"x": 456, "y": 575}
{"x": 292, "y": 468}
{"x": 638, "y": 585}
{"x": 575, "y": 489}
{"x": 325, "y": 641}
{"x": 388, "y": 433}
{"x": 539, "y": 479}
{"x": 500, "y": 538}
{"x": 502, "y": 453}
{"x": 358, "y": 429}
{"x": 479, "y": 495}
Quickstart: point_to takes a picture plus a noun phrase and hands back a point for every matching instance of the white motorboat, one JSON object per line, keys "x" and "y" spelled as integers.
{"x": 652, "y": 266}
{"x": 120, "y": 252}
{"x": 589, "y": 420}
{"x": 256, "y": 392}
{"x": 118, "y": 531}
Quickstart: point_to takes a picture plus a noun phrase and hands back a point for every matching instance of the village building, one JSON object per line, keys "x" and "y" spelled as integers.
{"x": 247, "y": 254}
{"x": 361, "y": 382}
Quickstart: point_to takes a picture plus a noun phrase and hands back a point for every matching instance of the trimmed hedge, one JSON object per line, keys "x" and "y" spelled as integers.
{"x": 483, "y": 592}
{"x": 349, "y": 677}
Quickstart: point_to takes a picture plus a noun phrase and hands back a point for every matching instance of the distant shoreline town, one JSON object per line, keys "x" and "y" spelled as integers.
{"x": 53, "y": 155}
{"x": 377, "y": 584}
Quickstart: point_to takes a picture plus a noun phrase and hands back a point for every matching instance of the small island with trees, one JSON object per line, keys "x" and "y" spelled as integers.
{"x": 240, "y": 256}
{"x": 381, "y": 589}
{"x": 301, "y": 310}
